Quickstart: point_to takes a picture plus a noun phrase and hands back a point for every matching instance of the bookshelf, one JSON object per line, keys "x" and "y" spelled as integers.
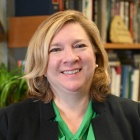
{"x": 21, "y": 29}
{"x": 123, "y": 46}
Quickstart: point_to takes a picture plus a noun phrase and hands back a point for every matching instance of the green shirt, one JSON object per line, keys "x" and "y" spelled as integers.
{"x": 85, "y": 131}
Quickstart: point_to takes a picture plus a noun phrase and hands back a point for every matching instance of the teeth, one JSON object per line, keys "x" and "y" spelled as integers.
{"x": 71, "y": 72}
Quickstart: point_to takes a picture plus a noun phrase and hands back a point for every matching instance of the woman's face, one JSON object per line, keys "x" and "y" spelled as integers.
{"x": 71, "y": 61}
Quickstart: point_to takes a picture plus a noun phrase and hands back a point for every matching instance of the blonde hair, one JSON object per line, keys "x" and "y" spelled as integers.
{"x": 37, "y": 56}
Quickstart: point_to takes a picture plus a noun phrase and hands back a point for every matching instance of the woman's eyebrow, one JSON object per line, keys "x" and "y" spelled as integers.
{"x": 58, "y": 44}
{"x": 79, "y": 40}
{"x": 55, "y": 44}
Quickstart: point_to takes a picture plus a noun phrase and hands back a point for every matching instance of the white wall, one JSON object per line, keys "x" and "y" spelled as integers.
{"x": 3, "y": 45}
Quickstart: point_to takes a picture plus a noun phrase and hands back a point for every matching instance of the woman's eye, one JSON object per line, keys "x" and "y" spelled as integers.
{"x": 55, "y": 50}
{"x": 80, "y": 46}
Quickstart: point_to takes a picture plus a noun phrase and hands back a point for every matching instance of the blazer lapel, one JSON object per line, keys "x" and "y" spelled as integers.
{"x": 102, "y": 125}
{"x": 48, "y": 128}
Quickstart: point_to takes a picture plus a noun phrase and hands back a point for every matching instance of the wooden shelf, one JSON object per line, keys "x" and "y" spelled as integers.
{"x": 21, "y": 29}
{"x": 122, "y": 46}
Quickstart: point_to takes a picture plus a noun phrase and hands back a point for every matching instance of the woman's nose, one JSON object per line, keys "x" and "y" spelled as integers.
{"x": 70, "y": 56}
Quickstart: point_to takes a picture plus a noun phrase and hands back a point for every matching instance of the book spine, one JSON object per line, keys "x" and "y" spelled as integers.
{"x": 95, "y": 11}
{"x": 118, "y": 80}
{"x": 131, "y": 14}
{"x": 126, "y": 14}
{"x": 87, "y": 8}
{"x": 122, "y": 9}
{"x": 66, "y": 4}
{"x": 102, "y": 19}
{"x": 135, "y": 85}
{"x": 61, "y": 5}
{"x": 135, "y": 23}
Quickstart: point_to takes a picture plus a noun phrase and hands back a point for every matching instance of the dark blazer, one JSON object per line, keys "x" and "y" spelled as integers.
{"x": 118, "y": 119}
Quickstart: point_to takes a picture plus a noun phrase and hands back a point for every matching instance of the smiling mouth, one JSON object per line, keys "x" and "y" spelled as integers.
{"x": 70, "y": 72}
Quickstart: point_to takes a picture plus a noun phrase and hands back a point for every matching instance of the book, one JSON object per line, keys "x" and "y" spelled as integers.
{"x": 131, "y": 14}
{"x": 122, "y": 10}
{"x": 137, "y": 65}
{"x": 135, "y": 85}
{"x": 102, "y": 19}
{"x": 135, "y": 22}
{"x": 115, "y": 67}
{"x": 66, "y": 4}
{"x": 95, "y": 11}
{"x": 78, "y": 5}
{"x": 116, "y": 80}
{"x": 126, "y": 14}
{"x": 138, "y": 20}
{"x": 71, "y": 4}
{"x": 113, "y": 81}
{"x": 139, "y": 83}
{"x": 87, "y": 8}
{"x": 126, "y": 80}
{"x": 32, "y": 7}
{"x": 108, "y": 19}
{"x": 61, "y": 5}
{"x": 118, "y": 70}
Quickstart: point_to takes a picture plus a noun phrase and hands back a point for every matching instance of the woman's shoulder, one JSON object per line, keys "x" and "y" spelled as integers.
{"x": 124, "y": 104}
{"x": 22, "y": 107}
{"x": 116, "y": 105}
{"x": 122, "y": 101}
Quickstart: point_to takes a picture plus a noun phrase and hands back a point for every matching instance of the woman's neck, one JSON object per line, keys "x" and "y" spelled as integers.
{"x": 72, "y": 111}
{"x": 74, "y": 102}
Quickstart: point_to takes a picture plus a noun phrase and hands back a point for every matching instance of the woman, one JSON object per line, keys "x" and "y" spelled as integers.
{"x": 69, "y": 94}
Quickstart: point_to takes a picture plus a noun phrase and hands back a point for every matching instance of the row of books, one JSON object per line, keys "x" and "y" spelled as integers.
{"x": 102, "y": 13}
{"x": 125, "y": 81}
{"x": 125, "y": 74}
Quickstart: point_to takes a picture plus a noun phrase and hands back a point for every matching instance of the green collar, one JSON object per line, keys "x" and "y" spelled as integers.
{"x": 85, "y": 131}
